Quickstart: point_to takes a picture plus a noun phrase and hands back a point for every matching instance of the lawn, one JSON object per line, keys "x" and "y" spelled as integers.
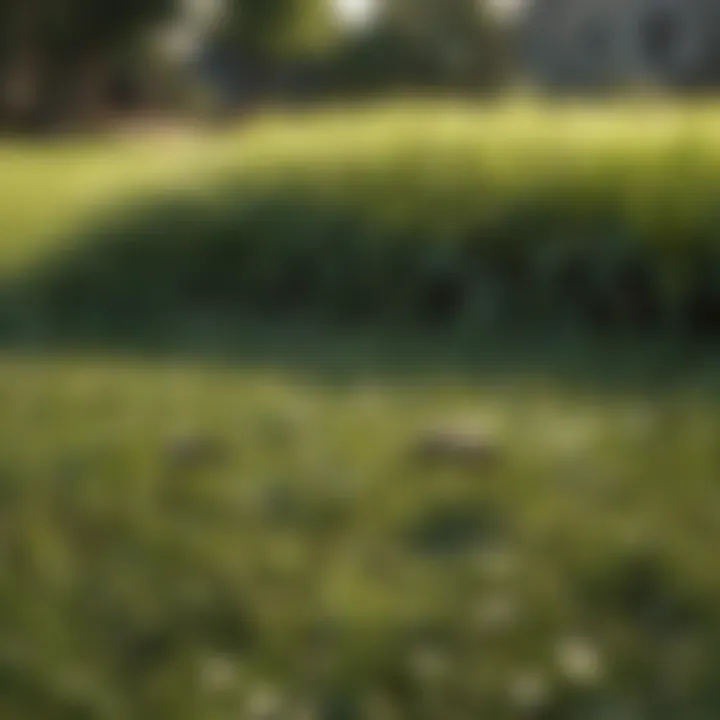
{"x": 458, "y": 216}
{"x": 190, "y": 539}
{"x": 231, "y": 517}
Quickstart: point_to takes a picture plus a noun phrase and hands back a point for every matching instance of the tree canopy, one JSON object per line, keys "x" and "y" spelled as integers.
{"x": 277, "y": 27}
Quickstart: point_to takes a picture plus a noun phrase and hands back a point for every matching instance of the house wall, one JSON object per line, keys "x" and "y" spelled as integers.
{"x": 620, "y": 42}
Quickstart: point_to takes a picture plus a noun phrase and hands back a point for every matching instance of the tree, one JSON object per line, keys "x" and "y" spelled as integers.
{"x": 443, "y": 44}
{"x": 276, "y": 28}
{"x": 53, "y": 51}
{"x": 457, "y": 37}
{"x": 266, "y": 48}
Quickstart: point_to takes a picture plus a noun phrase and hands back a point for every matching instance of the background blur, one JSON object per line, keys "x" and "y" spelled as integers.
{"x": 358, "y": 359}
{"x": 70, "y": 64}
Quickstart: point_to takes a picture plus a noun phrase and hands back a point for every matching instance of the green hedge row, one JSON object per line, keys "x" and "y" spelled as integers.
{"x": 462, "y": 221}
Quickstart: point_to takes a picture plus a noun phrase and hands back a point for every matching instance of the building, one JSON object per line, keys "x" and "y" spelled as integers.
{"x": 614, "y": 43}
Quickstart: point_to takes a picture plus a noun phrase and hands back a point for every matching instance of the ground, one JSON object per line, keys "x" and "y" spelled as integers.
{"x": 203, "y": 529}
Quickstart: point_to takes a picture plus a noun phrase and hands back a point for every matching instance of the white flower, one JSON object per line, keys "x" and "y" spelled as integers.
{"x": 579, "y": 660}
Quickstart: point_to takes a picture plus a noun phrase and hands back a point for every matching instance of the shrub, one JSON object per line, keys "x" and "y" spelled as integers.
{"x": 459, "y": 219}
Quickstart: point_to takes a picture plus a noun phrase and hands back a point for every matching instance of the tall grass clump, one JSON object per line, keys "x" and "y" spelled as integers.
{"x": 605, "y": 219}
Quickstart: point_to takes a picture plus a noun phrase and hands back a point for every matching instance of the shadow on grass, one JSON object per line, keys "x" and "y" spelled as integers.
{"x": 321, "y": 295}
{"x": 332, "y": 353}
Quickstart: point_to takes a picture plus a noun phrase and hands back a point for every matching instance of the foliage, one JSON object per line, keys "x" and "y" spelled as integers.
{"x": 451, "y": 45}
{"x": 458, "y": 36}
{"x": 59, "y": 48}
{"x": 256, "y": 537}
{"x": 312, "y": 568}
{"x": 459, "y": 219}
{"x": 75, "y": 26}
{"x": 275, "y": 28}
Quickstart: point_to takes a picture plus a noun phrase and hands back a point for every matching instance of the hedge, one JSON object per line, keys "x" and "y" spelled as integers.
{"x": 608, "y": 221}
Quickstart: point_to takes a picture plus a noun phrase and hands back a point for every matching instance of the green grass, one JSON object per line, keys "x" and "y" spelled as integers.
{"x": 67, "y": 174}
{"x": 316, "y": 556}
{"x": 472, "y": 218}
{"x": 204, "y": 513}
